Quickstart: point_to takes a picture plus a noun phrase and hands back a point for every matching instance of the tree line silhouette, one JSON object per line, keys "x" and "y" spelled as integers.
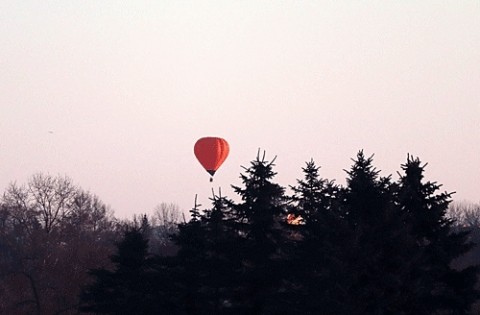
{"x": 373, "y": 246}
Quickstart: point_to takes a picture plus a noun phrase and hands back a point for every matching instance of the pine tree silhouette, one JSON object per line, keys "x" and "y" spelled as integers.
{"x": 443, "y": 288}
{"x": 380, "y": 251}
{"x": 316, "y": 265}
{"x": 133, "y": 287}
{"x": 258, "y": 223}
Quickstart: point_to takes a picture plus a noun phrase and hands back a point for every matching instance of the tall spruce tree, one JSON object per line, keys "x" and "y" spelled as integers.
{"x": 258, "y": 224}
{"x": 135, "y": 286}
{"x": 222, "y": 258}
{"x": 380, "y": 251}
{"x": 443, "y": 289}
{"x": 317, "y": 270}
{"x": 207, "y": 260}
{"x": 190, "y": 264}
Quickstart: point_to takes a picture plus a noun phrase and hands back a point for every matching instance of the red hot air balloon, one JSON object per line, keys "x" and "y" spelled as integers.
{"x": 211, "y": 152}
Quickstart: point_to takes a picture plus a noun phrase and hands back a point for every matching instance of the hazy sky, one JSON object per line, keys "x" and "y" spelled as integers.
{"x": 114, "y": 94}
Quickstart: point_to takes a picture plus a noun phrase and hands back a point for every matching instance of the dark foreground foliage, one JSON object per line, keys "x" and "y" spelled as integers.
{"x": 372, "y": 247}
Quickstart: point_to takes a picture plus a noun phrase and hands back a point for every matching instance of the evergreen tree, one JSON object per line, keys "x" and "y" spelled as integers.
{"x": 380, "y": 252}
{"x": 258, "y": 224}
{"x": 222, "y": 258}
{"x": 443, "y": 288}
{"x": 313, "y": 195}
{"x": 207, "y": 259}
{"x": 317, "y": 245}
{"x": 133, "y": 287}
{"x": 190, "y": 267}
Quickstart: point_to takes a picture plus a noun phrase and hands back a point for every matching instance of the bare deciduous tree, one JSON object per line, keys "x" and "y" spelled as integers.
{"x": 90, "y": 213}
{"x": 51, "y": 197}
{"x": 164, "y": 223}
{"x": 16, "y": 200}
{"x": 166, "y": 217}
{"x": 465, "y": 214}
{"x": 50, "y": 231}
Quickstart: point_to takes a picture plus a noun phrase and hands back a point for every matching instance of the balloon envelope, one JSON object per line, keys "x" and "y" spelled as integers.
{"x": 211, "y": 152}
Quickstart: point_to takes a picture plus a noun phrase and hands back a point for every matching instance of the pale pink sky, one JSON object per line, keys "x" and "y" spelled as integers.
{"x": 127, "y": 87}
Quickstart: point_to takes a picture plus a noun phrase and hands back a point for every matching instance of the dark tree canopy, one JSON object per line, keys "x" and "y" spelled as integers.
{"x": 138, "y": 284}
{"x": 443, "y": 288}
{"x": 373, "y": 246}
